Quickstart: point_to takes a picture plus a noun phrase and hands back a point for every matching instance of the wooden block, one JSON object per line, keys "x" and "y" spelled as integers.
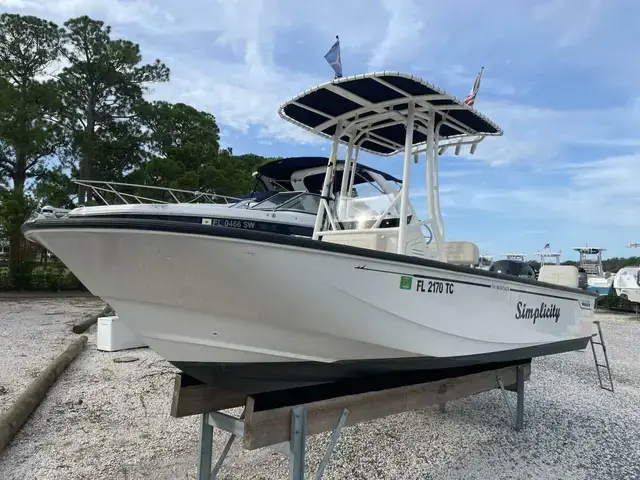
{"x": 268, "y": 427}
{"x": 193, "y": 399}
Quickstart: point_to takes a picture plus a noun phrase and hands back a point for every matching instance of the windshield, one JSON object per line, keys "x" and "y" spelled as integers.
{"x": 291, "y": 201}
{"x": 367, "y": 209}
{"x": 368, "y": 202}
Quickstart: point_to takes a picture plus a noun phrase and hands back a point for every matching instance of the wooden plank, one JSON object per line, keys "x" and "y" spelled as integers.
{"x": 22, "y": 407}
{"x": 189, "y": 399}
{"x": 264, "y": 428}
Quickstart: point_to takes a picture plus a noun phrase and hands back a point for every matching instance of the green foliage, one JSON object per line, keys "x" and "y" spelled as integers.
{"x": 51, "y": 277}
{"x": 28, "y": 46}
{"x": 90, "y": 120}
{"x": 15, "y": 209}
{"x": 616, "y": 263}
{"x": 101, "y": 87}
{"x": 54, "y": 187}
{"x": 614, "y": 302}
{"x": 184, "y": 152}
{"x": 612, "y": 264}
{"x": 611, "y": 300}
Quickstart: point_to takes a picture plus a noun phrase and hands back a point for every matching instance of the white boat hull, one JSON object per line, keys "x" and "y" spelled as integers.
{"x": 626, "y": 285}
{"x": 222, "y": 298}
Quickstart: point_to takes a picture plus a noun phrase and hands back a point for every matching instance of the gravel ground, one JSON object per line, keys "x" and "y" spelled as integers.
{"x": 111, "y": 420}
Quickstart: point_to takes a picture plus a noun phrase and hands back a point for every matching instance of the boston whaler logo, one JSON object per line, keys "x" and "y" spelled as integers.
{"x": 535, "y": 313}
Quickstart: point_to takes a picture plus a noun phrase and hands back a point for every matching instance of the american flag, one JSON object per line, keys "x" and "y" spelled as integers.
{"x": 471, "y": 98}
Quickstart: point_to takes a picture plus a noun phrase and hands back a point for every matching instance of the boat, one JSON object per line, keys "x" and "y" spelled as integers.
{"x": 626, "y": 281}
{"x": 598, "y": 281}
{"x": 367, "y": 295}
{"x": 548, "y": 257}
{"x": 284, "y": 199}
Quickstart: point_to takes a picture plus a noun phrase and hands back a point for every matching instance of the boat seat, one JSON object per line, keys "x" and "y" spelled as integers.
{"x": 462, "y": 253}
{"x": 566, "y": 275}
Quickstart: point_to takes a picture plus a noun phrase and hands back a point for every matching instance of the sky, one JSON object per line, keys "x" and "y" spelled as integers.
{"x": 560, "y": 79}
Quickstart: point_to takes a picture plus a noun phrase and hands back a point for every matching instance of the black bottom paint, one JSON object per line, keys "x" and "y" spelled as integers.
{"x": 251, "y": 378}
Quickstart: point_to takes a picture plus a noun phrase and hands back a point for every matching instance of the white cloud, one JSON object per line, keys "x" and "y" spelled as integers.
{"x": 605, "y": 191}
{"x": 542, "y": 135}
{"x": 448, "y": 42}
{"x": 116, "y": 11}
{"x": 241, "y": 59}
{"x": 248, "y": 95}
{"x": 553, "y": 13}
{"x": 402, "y": 35}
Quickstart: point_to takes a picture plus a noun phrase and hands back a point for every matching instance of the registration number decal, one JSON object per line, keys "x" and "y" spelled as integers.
{"x": 427, "y": 286}
{"x": 434, "y": 286}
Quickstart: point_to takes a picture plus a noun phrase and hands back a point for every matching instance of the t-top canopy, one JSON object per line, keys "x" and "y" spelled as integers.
{"x": 542, "y": 253}
{"x": 283, "y": 169}
{"x": 384, "y": 97}
{"x": 589, "y": 250}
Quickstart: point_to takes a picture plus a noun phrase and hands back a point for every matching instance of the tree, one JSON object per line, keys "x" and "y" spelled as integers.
{"x": 184, "y": 150}
{"x": 54, "y": 187}
{"x": 28, "y": 47}
{"x": 101, "y": 87}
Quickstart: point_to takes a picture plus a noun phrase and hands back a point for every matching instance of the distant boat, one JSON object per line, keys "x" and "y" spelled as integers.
{"x": 598, "y": 281}
{"x": 627, "y": 281}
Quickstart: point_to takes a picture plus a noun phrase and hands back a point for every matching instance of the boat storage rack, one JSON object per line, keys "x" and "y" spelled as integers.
{"x": 283, "y": 420}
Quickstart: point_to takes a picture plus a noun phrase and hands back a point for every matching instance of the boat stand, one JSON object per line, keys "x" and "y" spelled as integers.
{"x": 267, "y": 422}
{"x": 294, "y": 448}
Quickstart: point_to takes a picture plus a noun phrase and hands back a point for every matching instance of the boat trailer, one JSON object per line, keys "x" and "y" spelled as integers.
{"x": 282, "y": 420}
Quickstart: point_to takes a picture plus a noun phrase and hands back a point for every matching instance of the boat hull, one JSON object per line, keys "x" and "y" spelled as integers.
{"x": 626, "y": 284}
{"x": 252, "y": 311}
{"x": 599, "y": 290}
{"x": 599, "y": 285}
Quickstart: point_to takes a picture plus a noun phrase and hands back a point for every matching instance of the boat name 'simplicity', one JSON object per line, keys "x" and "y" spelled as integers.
{"x": 543, "y": 311}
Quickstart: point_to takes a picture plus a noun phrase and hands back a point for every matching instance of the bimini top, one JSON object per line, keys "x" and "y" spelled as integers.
{"x": 383, "y": 97}
{"x": 283, "y": 169}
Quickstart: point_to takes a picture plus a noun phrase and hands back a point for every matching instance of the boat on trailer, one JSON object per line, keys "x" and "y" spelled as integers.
{"x": 252, "y": 311}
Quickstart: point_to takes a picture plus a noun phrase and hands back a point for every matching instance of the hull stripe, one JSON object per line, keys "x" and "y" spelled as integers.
{"x": 290, "y": 240}
{"x": 463, "y": 282}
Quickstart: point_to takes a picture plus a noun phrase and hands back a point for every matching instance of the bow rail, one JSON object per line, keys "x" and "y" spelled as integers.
{"x": 149, "y": 193}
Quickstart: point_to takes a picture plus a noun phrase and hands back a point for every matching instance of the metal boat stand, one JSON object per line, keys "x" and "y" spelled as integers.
{"x": 267, "y": 422}
{"x": 294, "y": 448}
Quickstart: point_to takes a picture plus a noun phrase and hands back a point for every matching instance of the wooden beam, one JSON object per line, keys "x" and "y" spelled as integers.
{"x": 191, "y": 397}
{"x": 269, "y": 427}
{"x": 16, "y": 415}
